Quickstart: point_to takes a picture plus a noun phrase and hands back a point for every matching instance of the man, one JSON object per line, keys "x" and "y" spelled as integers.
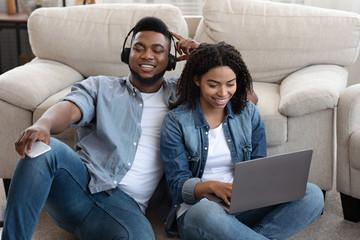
{"x": 102, "y": 190}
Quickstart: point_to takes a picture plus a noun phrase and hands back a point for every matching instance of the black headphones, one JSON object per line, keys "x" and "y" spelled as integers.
{"x": 125, "y": 53}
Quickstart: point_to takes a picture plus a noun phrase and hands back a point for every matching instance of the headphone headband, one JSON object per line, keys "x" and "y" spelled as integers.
{"x": 125, "y": 53}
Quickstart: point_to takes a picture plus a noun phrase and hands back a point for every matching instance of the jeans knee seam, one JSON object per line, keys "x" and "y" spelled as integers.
{"x": 108, "y": 212}
{"x": 190, "y": 227}
{"x": 274, "y": 217}
{"x": 77, "y": 182}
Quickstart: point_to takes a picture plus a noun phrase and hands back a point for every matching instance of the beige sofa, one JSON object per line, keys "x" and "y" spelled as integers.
{"x": 297, "y": 56}
{"x": 348, "y": 154}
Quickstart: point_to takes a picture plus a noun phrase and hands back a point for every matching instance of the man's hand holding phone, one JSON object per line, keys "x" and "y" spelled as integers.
{"x": 37, "y": 149}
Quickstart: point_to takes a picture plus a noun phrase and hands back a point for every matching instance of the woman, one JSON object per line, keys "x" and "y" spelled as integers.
{"x": 212, "y": 127}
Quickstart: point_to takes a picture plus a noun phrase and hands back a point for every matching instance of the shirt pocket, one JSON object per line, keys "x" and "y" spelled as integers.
{"x": 246, "y": 150}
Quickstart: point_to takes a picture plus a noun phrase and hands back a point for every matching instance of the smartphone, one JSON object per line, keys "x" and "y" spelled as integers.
{"x": 38, "y": 148}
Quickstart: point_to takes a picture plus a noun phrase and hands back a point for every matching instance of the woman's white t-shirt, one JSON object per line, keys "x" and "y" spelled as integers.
{"x": 219, "y": 166}
{"x": 145, "y": 173}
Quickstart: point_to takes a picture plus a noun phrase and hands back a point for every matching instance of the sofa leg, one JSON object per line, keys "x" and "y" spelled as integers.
{"x": 6, "y": 185}
{"x": 351, "y": 208}
{"x": 324, "y": 194}
{"x": 2, "y": 211}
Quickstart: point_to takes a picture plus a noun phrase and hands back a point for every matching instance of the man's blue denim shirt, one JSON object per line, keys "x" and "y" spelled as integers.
{"x": 184, "y": 145}
{"x": 111, "y": 110}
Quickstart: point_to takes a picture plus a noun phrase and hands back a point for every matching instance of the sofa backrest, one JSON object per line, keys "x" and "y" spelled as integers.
{"x": 276, "y": 39}
{"x": 90, "y": 38}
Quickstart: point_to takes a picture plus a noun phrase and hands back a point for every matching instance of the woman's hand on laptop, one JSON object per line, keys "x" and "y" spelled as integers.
{"x": 220, "y": 189}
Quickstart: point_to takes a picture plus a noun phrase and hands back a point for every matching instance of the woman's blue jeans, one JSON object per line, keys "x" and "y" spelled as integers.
{"x": 207, "y": 220}
{"x": 58, "y": 179}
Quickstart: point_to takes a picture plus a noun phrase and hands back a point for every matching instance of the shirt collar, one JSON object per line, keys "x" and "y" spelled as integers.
{"x": 200, "y": 120}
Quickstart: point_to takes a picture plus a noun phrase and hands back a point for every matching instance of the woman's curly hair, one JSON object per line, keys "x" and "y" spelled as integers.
{"x": 206, "y": 57}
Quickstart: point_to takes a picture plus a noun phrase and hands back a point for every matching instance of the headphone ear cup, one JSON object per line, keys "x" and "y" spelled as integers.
{"x": 125, "y": 55}
{"x": 171, "y": 63}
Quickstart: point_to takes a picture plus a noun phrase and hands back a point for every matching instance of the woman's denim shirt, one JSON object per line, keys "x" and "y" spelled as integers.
{"x": 184, "y": 145}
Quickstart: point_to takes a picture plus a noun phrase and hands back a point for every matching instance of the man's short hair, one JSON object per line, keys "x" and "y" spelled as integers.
{"x": 152, "y": 24}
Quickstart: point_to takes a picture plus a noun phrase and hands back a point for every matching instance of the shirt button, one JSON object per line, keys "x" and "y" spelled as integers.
{"x": 205, "y": 148}
{"x": 225, "y": 124}
{"x": 134, "y": 94}
{"x": 229, "y": 140}
{"x": 140, "y": 105}
{"x": 115, "y": 182}
{"x": 129, "y": 164}
{"x": 134, "y": 143}
{"x": 206, "y": 133}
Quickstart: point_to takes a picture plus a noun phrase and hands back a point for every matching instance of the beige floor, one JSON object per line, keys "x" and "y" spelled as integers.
{"x": 330, "y": 226}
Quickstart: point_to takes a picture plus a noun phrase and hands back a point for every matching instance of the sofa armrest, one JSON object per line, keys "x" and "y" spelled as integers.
{"x": 29, "y": 85}
{"x": 348, "y": 134}
{"x": 348, "y": 114}
{"x": 312, "y": 89}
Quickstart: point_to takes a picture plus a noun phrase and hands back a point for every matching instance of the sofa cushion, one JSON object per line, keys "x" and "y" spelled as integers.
{"x": 90, "y": 38}
{"x": 276, "y": 39}
{"x": 268, "y": 105}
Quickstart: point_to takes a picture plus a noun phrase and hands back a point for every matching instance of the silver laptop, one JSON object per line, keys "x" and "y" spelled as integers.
{"x": 268, "y": 181}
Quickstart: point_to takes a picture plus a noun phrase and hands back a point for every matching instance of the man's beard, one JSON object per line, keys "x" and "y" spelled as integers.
{"x": 147, "y": 82}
